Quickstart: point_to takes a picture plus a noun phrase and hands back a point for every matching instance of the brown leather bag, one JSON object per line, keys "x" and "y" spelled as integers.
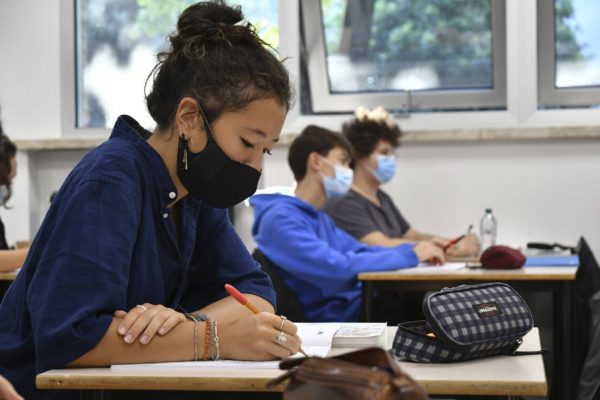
{"x": 369, "y": 373}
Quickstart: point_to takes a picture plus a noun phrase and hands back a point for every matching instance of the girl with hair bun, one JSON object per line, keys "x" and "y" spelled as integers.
{"x": 130, "y": 262}
{"x": 10, "y": 259}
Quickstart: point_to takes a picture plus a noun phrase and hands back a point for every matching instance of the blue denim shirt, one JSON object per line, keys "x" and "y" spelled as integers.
{"x": 108, "y": 242}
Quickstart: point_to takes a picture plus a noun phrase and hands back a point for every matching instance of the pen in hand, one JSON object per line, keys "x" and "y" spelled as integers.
{"x": 236, "y": 294}
{"x": 458, "y": 239}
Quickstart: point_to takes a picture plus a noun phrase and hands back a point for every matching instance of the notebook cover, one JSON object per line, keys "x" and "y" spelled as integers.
{"x": 552, "y": 261}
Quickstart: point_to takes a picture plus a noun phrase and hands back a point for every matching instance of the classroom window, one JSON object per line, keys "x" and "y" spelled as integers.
{"x": 569, "y": 53}
{"x": 450, "y": 54}
{"x": 116, "y": 46}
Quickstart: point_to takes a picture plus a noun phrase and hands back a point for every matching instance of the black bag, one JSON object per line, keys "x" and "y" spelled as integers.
{"x": 466, "y": 322}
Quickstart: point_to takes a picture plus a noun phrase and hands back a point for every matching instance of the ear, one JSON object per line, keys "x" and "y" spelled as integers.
{"x": 187, "y": 118}
{"x": 313, "y": 163}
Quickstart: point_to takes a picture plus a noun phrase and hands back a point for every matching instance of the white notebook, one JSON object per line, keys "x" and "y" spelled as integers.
{"x": 361, "y": 335}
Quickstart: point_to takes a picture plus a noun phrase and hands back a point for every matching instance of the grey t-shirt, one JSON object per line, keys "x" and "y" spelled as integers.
{"x": 359, "y": 216}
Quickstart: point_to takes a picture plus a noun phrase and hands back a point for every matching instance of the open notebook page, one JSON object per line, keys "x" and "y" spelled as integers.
{"x": 426, "y": 268}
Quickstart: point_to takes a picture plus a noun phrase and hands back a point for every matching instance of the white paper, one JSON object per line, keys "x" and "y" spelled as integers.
{"x": 428, "y": 268}
{"x": 320, "y": 351}
{"x": 317, "y": 334}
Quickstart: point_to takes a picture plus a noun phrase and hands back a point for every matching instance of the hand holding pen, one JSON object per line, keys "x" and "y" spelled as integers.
{"x": 282, "y": 337}
{"x": 458, "y": 239}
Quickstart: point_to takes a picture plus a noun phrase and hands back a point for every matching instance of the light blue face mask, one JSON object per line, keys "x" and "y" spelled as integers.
{"x": 338, "y": 185}
{"x": 386, "y": 168}
{"x": 3, "y": 193}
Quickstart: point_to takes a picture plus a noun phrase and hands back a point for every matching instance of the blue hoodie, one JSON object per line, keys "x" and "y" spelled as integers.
{"x": 318, "y": 261}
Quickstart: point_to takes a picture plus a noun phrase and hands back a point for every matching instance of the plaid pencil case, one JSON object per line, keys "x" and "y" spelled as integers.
{"x": 465, "y": 322}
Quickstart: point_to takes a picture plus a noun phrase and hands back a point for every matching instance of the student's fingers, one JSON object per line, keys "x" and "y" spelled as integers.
{"x": 285, "y": 345}
{"x": 437, "y": 256}
{"x": 288, "y": 326}
{"x": 174, "y": 319}
{"x": 439, "y": 242}
{"x": 157, "y": 321}
{"x": 130, "y": 318}
{"x": 441, "y": 256}
{"x": 119, "y": 314}
{"x": 143, "y": 321}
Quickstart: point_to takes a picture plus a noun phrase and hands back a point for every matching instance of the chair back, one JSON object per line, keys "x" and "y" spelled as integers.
{"x": 287, "y": 302}
{"x": 587, "y": 283}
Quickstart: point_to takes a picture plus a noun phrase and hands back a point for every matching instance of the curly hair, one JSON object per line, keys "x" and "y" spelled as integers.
{"x": 8, "y": 151}
{"x": 364, "y": 135}
{"x": 218, "y": 61}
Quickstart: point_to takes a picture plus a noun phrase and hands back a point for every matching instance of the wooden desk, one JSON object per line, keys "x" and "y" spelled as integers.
{"x": 8, "y": 276}
{"x": 499, "y": 376}
{"x": 559, "y": 281}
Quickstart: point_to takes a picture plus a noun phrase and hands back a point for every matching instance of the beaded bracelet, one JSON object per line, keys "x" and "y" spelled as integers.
{"x": 207, "y": 336}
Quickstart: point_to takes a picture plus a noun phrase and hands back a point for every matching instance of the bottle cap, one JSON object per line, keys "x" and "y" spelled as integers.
{"x": 488, "y": 210}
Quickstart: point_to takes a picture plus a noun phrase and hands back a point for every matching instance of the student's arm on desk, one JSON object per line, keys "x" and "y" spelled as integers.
{"x": 425, "y": 250}
{"x": 245, "y": 337}
{"x": 12, "y": 259}
{"x": 295, "y": 246}
{"x": 178, "y": 345}
{"x": 466, "y": 247}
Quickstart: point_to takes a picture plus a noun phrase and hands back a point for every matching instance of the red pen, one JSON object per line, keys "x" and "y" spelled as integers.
{"x": 458, "y": 239}
{"x": 236, "y": 294}
{"x": 453, "y": 242}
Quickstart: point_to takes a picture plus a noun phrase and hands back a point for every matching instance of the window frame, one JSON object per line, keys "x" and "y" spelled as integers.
{"x": 70, "y": 80}
{"x": 549, "y": 94}
{"x": 521, "y": 119}
{"x": 323, "y": 101}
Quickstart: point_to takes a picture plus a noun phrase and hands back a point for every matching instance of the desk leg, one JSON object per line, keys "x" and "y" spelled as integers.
{"x": 367, "y": 300}
{"x": 563, "y": 365}
{"x": 94, "y": 395}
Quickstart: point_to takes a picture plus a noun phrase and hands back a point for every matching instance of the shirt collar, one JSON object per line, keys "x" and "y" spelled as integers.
{"x": 127, "y": 128}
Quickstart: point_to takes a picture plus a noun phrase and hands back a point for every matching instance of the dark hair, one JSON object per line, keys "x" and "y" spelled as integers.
{"x": 317, "y": 139}
{"x": 365, "y": 134}
{"x": 223, "y": 64}
{"x": 8, "y": 151}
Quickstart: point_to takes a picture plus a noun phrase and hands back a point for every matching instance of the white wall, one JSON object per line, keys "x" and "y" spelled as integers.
{"x": 30, "y": 85}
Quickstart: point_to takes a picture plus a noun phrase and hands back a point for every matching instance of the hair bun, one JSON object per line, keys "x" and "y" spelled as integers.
{"x": 206, "y": 22}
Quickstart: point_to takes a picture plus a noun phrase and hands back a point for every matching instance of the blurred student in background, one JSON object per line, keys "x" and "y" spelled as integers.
{"x": 10, "y": 259}
{"x": 318, "y": 261}
{"x": 367, "y": 212}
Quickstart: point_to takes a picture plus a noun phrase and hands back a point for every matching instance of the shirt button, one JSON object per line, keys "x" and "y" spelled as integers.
{"x": 165, "y": 215}
{"x": 172, "y": 195}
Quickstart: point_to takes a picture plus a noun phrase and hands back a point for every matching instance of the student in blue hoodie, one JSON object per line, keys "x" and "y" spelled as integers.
{"x": 316, "y": 259}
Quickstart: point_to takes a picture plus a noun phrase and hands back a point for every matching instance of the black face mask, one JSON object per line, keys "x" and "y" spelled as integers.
{"x": 212, "y": 176}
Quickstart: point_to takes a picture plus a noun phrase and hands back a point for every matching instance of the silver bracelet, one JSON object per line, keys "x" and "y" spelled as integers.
{"x": 195, "y": 340}
{"x": 216, "y": 340}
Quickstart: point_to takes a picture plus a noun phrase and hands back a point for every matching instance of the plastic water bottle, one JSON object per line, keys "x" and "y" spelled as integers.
{"x": 487, "y": 229}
